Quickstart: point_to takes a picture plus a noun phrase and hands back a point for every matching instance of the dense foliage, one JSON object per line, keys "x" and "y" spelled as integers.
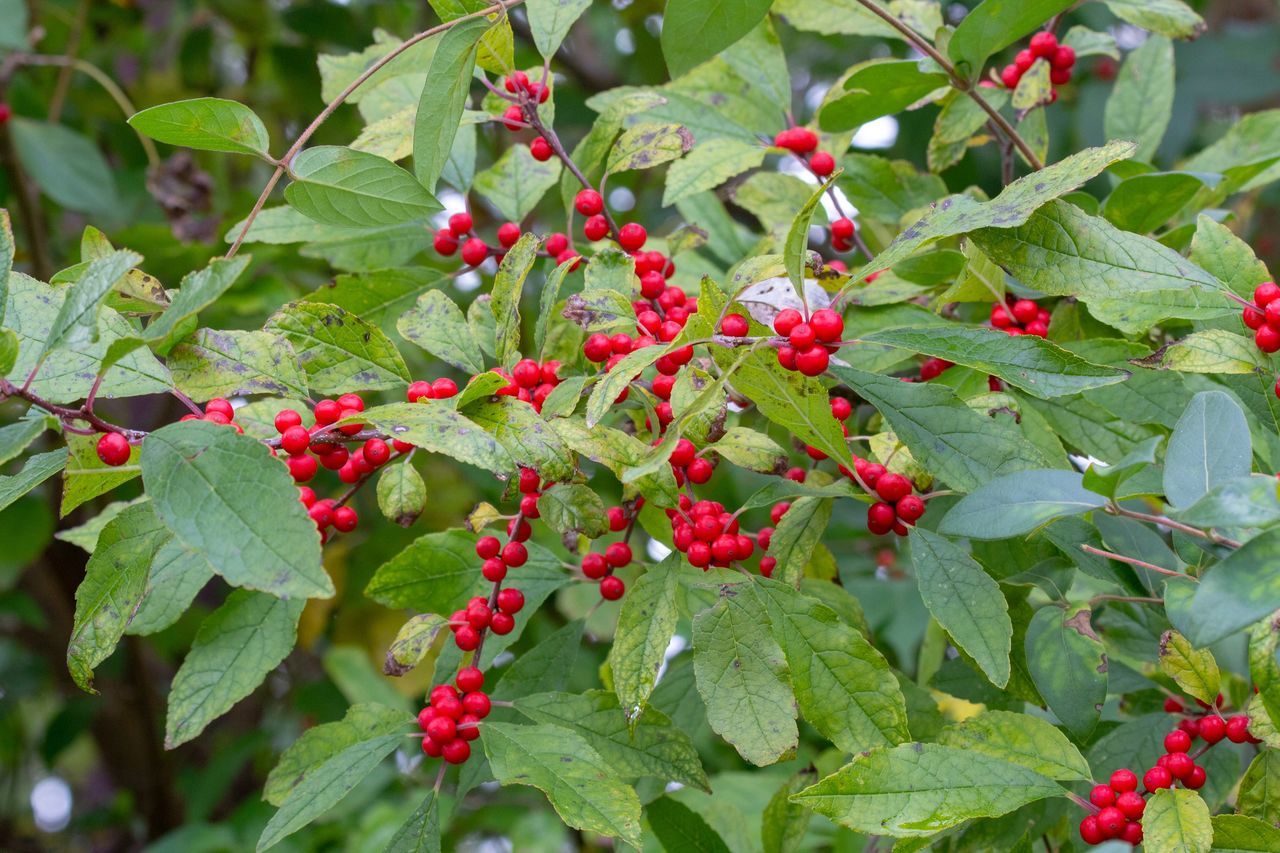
{"x": 550, "y": 421}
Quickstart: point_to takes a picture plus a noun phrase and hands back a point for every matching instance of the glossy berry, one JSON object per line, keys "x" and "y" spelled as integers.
{"x": 510, "y": 600}
{"x": 1177, "y": 741}
{"x": 909, "y": 508}
{"x": 456, "y": 751}
{"x": 612, "y": 588}
{"x": 1196, "y": 778}
{"x": 1111, "y": 822}
{"x": 541, "y": 150}
{"x": 595, "y": 228}
{"x": 1238, "y": 729}
{"x": 1089, "y": 831}
{"x": 1043, "y": 44}
{"x": 1213, "y": 728}
{"x": 618, "y": 554}
{"x": 735, "y": 326}
{"x": 786, "y": 320}
{"x": 588, "y": 202}
{"x": 893, "y": 487}
{"x": 822, "y": 163}
{"x": 514, "y": 554}
{"x": 827, "y": 325}
{"x": 1179, "y": 764}
{"x": 508, "y": 234}
{"x": 113, "y": 449}
{"x": 474, "y": 252}
{"x": 1102, "y": 796}
{"x": 460, "y": 224}
{"x": 632, "y": 236}
{"x": 1157, "y": 778}
{"x": 813, "y": 361}
{"x": 287, "y": 418}
{"x": 6, "y": 113}
{"x": 597, "y": 347}
{"x": 1123, "y": 780}
{"x": 1131, "y": 804}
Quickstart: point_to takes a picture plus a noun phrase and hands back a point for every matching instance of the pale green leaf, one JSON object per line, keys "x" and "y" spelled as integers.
{"x": 1022, "y": 739}
{"x": 339, "y": 186}
{"x": 339, "y": 351}
{"x": 209, "y": 124}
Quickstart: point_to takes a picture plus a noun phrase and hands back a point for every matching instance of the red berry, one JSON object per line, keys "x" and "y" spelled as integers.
{"x": 1157, "y": 778}
{"x": 786, "y": 320}
{"x": 6, "y": 113}
{"x": 699, "y": 471}
{"x": 612, "y": 588}
{"x": 1177, "y": 741}
{"x": 469, "y": 679}
{"x": 508, "y": 234}
{"x": 1043, "y": 44}
{"x": 467, "y": 638}
{"x": 494, "y": 570}
{"x": 1010, "y": 76}
{"x": 1264, "y": 293}
{"x": 441, "y": 728}
{"x": 510, "y": 600}
{"x": 735, "y": 326}
{"x": 617, "y": 518}
{"x": 557, "y": 244}
{"x": 1195, "y": 779}
{"x": 843, "y": 230}
{"x": 514, "y": 554}
{"x": 302, "y": 468}
{"x": 632, "y": 236}
{"x": 345, "y": 519}
{"x": 880, "y": 518}
{"x": 456, "y": 751}
{"x": 597, "y": 347}
{"x": 594, "y": 566}
{"x": 488, "y": 547}
{"x": 377, "y": 452}
{"x": 1267, "y": 339}
{"x": 588, "y": 202}
{"x": 1132, "y": 833}
{"x": 444, "y": 388}
{"x": 1111, "y": 822}
{"x": 287, "y": 418}
{"x": 1124, "y": 780}
{"x": 595, "y": 228}
{"x": 1238, "y": 729}
{"x": 827, "y": 325}
{"x": 1102, "y": 796}
{"x": 841, "y": 408}
{"x": 813, "y": 361}
{"x": 618, "y": 554}
{"x": 1179, "y": 764}
{"x": 474, "y": 251}
{"x": 893, "y": 487}
{"x": 803, "y": 140}
{"x": 527, "y": 373}
{"x": 541, "y": 150}
{"x": 1172, "y": 706}
{"x": 822, "y": 164}
{"x": 460, "y": 224}
{"x": 477, "y": 704}
{"x": 1025, "y": 311}
{"x": 1213, "y": 728}
{"x": 445, "y": 243}
{"x": 1089, "y": 831}
{"x": 513, "y": 118}
{"x": 516, "y": 81}
{"x": 1131, "y": 804}
{"x": 909, "y": 508}
{"x": 502, "y": 624}
{"x": 1023, "y": 61}
{"x": 1059, "y": 76}
{"x": 113, "y": 449}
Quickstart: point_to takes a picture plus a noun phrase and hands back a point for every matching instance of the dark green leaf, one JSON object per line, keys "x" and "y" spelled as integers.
{"x": 875, "y": 88}
{"x": 209, "y": 124}
{"x": 339, "y": 186}
{"x": 996, "y": 24}
{"x": 693, "y": 31}
{"x": 1069, "y": 665}
{"x": 444, "y": 96}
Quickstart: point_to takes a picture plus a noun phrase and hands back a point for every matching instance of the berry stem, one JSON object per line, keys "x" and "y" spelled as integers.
{"x": 1116, "y": 509}
{"x": 1133, "y": 561}
{"x": 1135, "y": 599}
{"x": 923, "y": 45}
{"x": 67, "y": 414}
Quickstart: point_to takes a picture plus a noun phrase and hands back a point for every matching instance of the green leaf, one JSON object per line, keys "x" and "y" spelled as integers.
{"x": 76, "y": 322}
{"x": 14, "y": 24}
{"x": 965, "y": 600}
{"x": 209, "y": 124}
{"x": 114, "y": 582}
{"x": 496, "y": 46}
{"x": 339, "y": 351}
{"x": 1128, "y": 281}
{"x": 402, "y": 494}
{"x": 17, "y": 436}
{"x": 86, "y": 476}
{"x": 875, "y": 88}
{"x": 437, "y": 573}
{"x": 380, "y": 297}
{"x": 1209, "y": 445}
{"x": 1216, "y": 249}
{"x": 1196, "y": 672}
{"x": 325, "y": 786}
{"x": 1171, "y": 18}
{"x": 435, "y": 426}
{"x": 237, "y": 646}
{"x": 177, "y": 575}
{"x": 647, "y": 145}
{"x": 651, "y": 746}
{"x": 1246, "y": 153}
{"x": 1022, "y": 739}
{"x": 1257, "y": 797}
{"x": 438, "y": 325}
{"x": 709, "y": 165}
{"x": 1018, "y": 503}
{"x": 795, "y": 402}
{"x": 199, "y": 290}
{"x": 1241, "y": 502}
{"x": 420, "y": 639}
{"x": 682, "y": 830}
{"x": 318, "y": 744}
{"x": 996, "y": 24}
{"x": 694, "y": 31}
{"x": 1178, "y": 821}
{"x": 516, "y": 183}
{"x": 66, "y": 166}
{"x": 618, "y": 452}
{"x": 579, "y": 783}
{"x": 34, "y": 471}
{"x": 797, "y": 535}
{"x": 740, "y": 670}
{"x": 508, "y": 286}
{"x": 1142, "y": 203}
{"x": 444, "y": 97}
{"x": 225, "y": 496}
{"x": 646, "y": 624}
{"x": 1033, "y": 89}
{"x": 522, "y": 432}
{"x": 960, "y": 446}
{"x": 551, "y": 20}
{"x": 784, "y": 822}
{"x": 233, "y": 363}
{"x": 1237, "y": 592}
{"x": 421, "y": 832}
{"x": 752, "y": 450}
{"x": 371, "y": 249}
{"x": 7, "y": 247}
{"x": 1212, "y": 351}
{"x": 843, "y": 685}
{"x": 918, "y": 789}
{"x": 960, "y": 214}
{"x": 339, "y": 186}
{"x": 1068, "y": 665}
{"x": 1235, "y": 833}
{"x": 1028, "y": 362}
{"x": 571, "y": 509}
{"x": 1141, "y": 100}
{"x": 795, "y": 250}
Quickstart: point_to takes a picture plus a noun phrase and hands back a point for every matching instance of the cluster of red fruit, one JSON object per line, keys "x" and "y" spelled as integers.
{"x": 475, "y": 251}
{"x": 802, "y": 142}
{"x": 896, "y": 505}
{"x": 309, "y": 448}
{"x": 113, "y": 447}
{"x": 810, "y": 342}
{"x": 600, "y": 567}
{"x": 1264, "y": 319}
{"x": 1043, "y": 45}
{"x": 452, "y": 718}
{"x": 1020, "y": 317}
{"x": 710, "y": 536}
{"x": 685, "y": 462}
{"x": 328, "y": 513}
{"x": 530, "y": 381}
{"x": 1118, "y": 806}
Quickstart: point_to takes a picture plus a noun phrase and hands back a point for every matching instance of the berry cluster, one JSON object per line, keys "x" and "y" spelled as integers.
{"x": 809, "y": 343}
{"x": 685, "y": 462}
{"x": 803, "y": 143}
{"x": 1117, "y": 807}
{"x": 1020, "y": 317}
{"x": 530, "y": 381}
{"x": 896, "y": 504}
{"x": 475, "y": 251}
{"x": 1043, "y": 46}
{"x": 452, "y": 717}
{"x": 1264, "y": 316}
{"x": 310, "y": 448}
{"x": 708, "y": 535}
